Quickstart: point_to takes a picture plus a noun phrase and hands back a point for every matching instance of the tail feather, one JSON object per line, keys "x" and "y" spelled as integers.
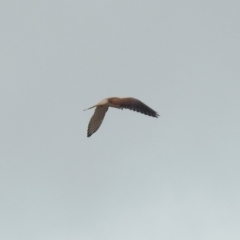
{"x": 89, "y": 108}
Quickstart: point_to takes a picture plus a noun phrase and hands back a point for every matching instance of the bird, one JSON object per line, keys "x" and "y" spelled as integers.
{"x": 115, "y": 102}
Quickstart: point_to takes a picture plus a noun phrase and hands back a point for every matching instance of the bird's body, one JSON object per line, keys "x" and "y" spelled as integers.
{"x": 120, "y": 103}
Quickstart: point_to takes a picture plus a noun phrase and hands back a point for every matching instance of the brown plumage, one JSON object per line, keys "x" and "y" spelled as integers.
{"x": 127, "y": 103}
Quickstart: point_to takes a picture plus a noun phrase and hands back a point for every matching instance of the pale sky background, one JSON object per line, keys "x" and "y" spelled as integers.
{"x": 172, "y": 178}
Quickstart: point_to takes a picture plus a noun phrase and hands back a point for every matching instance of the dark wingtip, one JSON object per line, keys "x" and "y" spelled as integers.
{"x": 152, "y": 114}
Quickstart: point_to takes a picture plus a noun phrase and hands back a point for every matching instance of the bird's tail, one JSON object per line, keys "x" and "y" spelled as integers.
{"x": 90, "y": 108}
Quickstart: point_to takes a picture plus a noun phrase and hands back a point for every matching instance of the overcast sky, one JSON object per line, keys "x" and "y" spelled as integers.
{"x": 138, "y": 177}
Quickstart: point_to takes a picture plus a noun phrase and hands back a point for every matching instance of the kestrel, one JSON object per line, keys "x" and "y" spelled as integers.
{"x": 120, "y": 103}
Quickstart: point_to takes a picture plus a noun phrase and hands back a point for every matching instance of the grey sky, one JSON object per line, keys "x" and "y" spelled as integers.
{"x": 137, "y": 178}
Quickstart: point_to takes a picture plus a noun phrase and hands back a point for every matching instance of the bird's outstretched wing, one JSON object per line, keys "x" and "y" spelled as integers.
{"x": 96, "y": 119}
{"x": 138, "y": 106}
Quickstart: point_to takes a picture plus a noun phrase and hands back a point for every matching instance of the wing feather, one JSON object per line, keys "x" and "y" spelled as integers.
{"x": 96, "y": 119}
{"x": 138, "y": 106}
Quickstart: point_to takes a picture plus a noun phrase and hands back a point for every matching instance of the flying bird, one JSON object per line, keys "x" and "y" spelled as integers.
{"x": 120, "y": 103}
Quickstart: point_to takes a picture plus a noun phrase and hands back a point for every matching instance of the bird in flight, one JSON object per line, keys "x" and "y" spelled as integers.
{"x": 120, "y": 103}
